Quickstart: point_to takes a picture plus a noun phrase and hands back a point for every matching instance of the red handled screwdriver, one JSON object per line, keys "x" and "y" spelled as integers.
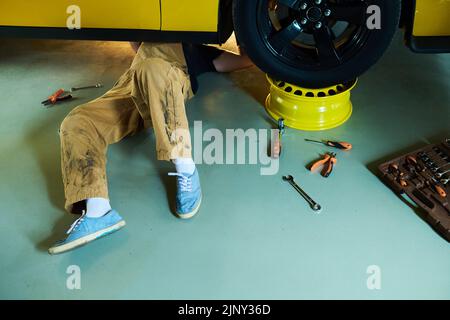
{"x": 339, "y": 145}
{"x": 54, "y": 97}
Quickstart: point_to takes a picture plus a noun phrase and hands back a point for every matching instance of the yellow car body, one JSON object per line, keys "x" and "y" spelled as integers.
{"x": 430, "y": 17}
{"x": 174, "y": 15}
{"x": 426, "y": 24}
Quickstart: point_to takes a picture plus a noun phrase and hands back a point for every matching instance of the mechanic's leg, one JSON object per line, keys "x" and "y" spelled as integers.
{"x": 161, "y": 89}
{"x": 85, "y": 135}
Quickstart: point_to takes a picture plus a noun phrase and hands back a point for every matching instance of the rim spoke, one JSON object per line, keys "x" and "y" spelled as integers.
{"x": 325, "y": 46}
{"x": 293, "y": 4}
{"x": 285, "y": 36}
{"x": 354, "y": 13}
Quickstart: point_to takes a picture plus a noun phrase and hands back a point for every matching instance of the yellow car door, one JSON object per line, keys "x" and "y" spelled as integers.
{"x": 432, "y": 18}
{"x": 93, "y": 14}
{"x": 190, "y": 15}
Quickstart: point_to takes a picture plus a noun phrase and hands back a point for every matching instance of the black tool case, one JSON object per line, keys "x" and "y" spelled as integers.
{"x": 423, "y": 177}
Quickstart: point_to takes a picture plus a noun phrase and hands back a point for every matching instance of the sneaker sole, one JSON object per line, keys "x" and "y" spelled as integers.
{"x": 186, "y": 216}
{"x": 87, "y": 239}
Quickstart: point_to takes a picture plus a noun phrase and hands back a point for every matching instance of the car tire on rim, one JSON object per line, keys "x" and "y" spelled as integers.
{"x": 314, "y": 43}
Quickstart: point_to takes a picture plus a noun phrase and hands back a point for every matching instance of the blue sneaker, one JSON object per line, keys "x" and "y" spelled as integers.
{"x": 189, "y": 194}
{"x": 85, "y": 230}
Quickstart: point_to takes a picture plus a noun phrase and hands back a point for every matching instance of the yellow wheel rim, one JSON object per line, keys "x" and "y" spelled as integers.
{"x": 310, "y": 109}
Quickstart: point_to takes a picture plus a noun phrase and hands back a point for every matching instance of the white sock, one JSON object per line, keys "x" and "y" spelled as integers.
{"x": 97, "y": 207}
{"x": 184, "y": 165}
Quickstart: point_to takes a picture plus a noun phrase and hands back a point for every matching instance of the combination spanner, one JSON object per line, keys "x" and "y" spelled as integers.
{"x": 314, "y": 205}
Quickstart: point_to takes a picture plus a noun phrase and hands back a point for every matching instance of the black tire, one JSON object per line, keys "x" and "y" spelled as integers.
{"x": 268, "y": 41}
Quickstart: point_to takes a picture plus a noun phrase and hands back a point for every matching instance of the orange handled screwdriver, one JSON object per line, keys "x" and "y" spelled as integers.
{"x": 394, "y": 170}
{"x": 60, "y": 99}
{"x": 339, "y": 145}
{"x": 54, "y": 97}
{"x": 442, "y": 193}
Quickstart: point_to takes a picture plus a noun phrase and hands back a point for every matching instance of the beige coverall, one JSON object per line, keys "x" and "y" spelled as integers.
{"x": 153, "y": 93}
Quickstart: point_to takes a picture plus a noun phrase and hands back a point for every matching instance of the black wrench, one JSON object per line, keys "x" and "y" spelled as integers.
{"x": 314, "y": 205}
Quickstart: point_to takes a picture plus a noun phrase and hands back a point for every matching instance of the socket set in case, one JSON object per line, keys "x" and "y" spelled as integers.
{"x": 423, "y": 176}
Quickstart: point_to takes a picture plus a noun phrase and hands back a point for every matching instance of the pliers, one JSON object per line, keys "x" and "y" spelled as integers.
{"x": 327, "y": 162}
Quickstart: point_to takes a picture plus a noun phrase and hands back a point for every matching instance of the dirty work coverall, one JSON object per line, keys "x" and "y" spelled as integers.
{"x": 153, "y": 93}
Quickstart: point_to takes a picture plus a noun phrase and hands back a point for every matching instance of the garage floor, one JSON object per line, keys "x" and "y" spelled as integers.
{"x": 254, "y": 237}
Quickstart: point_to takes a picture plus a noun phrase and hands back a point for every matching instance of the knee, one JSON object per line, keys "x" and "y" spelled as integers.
{"x": 152, "y": 69}
{"x": 151, "y": 64}
{"x": 73, "y": 122}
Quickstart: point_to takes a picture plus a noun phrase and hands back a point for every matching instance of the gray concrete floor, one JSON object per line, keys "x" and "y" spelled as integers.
{"x": 254, "y": 237}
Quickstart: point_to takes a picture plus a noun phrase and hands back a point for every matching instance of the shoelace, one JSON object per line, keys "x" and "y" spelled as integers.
{"x": 76, "y": 223}
{"x": 185, "y": 183}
